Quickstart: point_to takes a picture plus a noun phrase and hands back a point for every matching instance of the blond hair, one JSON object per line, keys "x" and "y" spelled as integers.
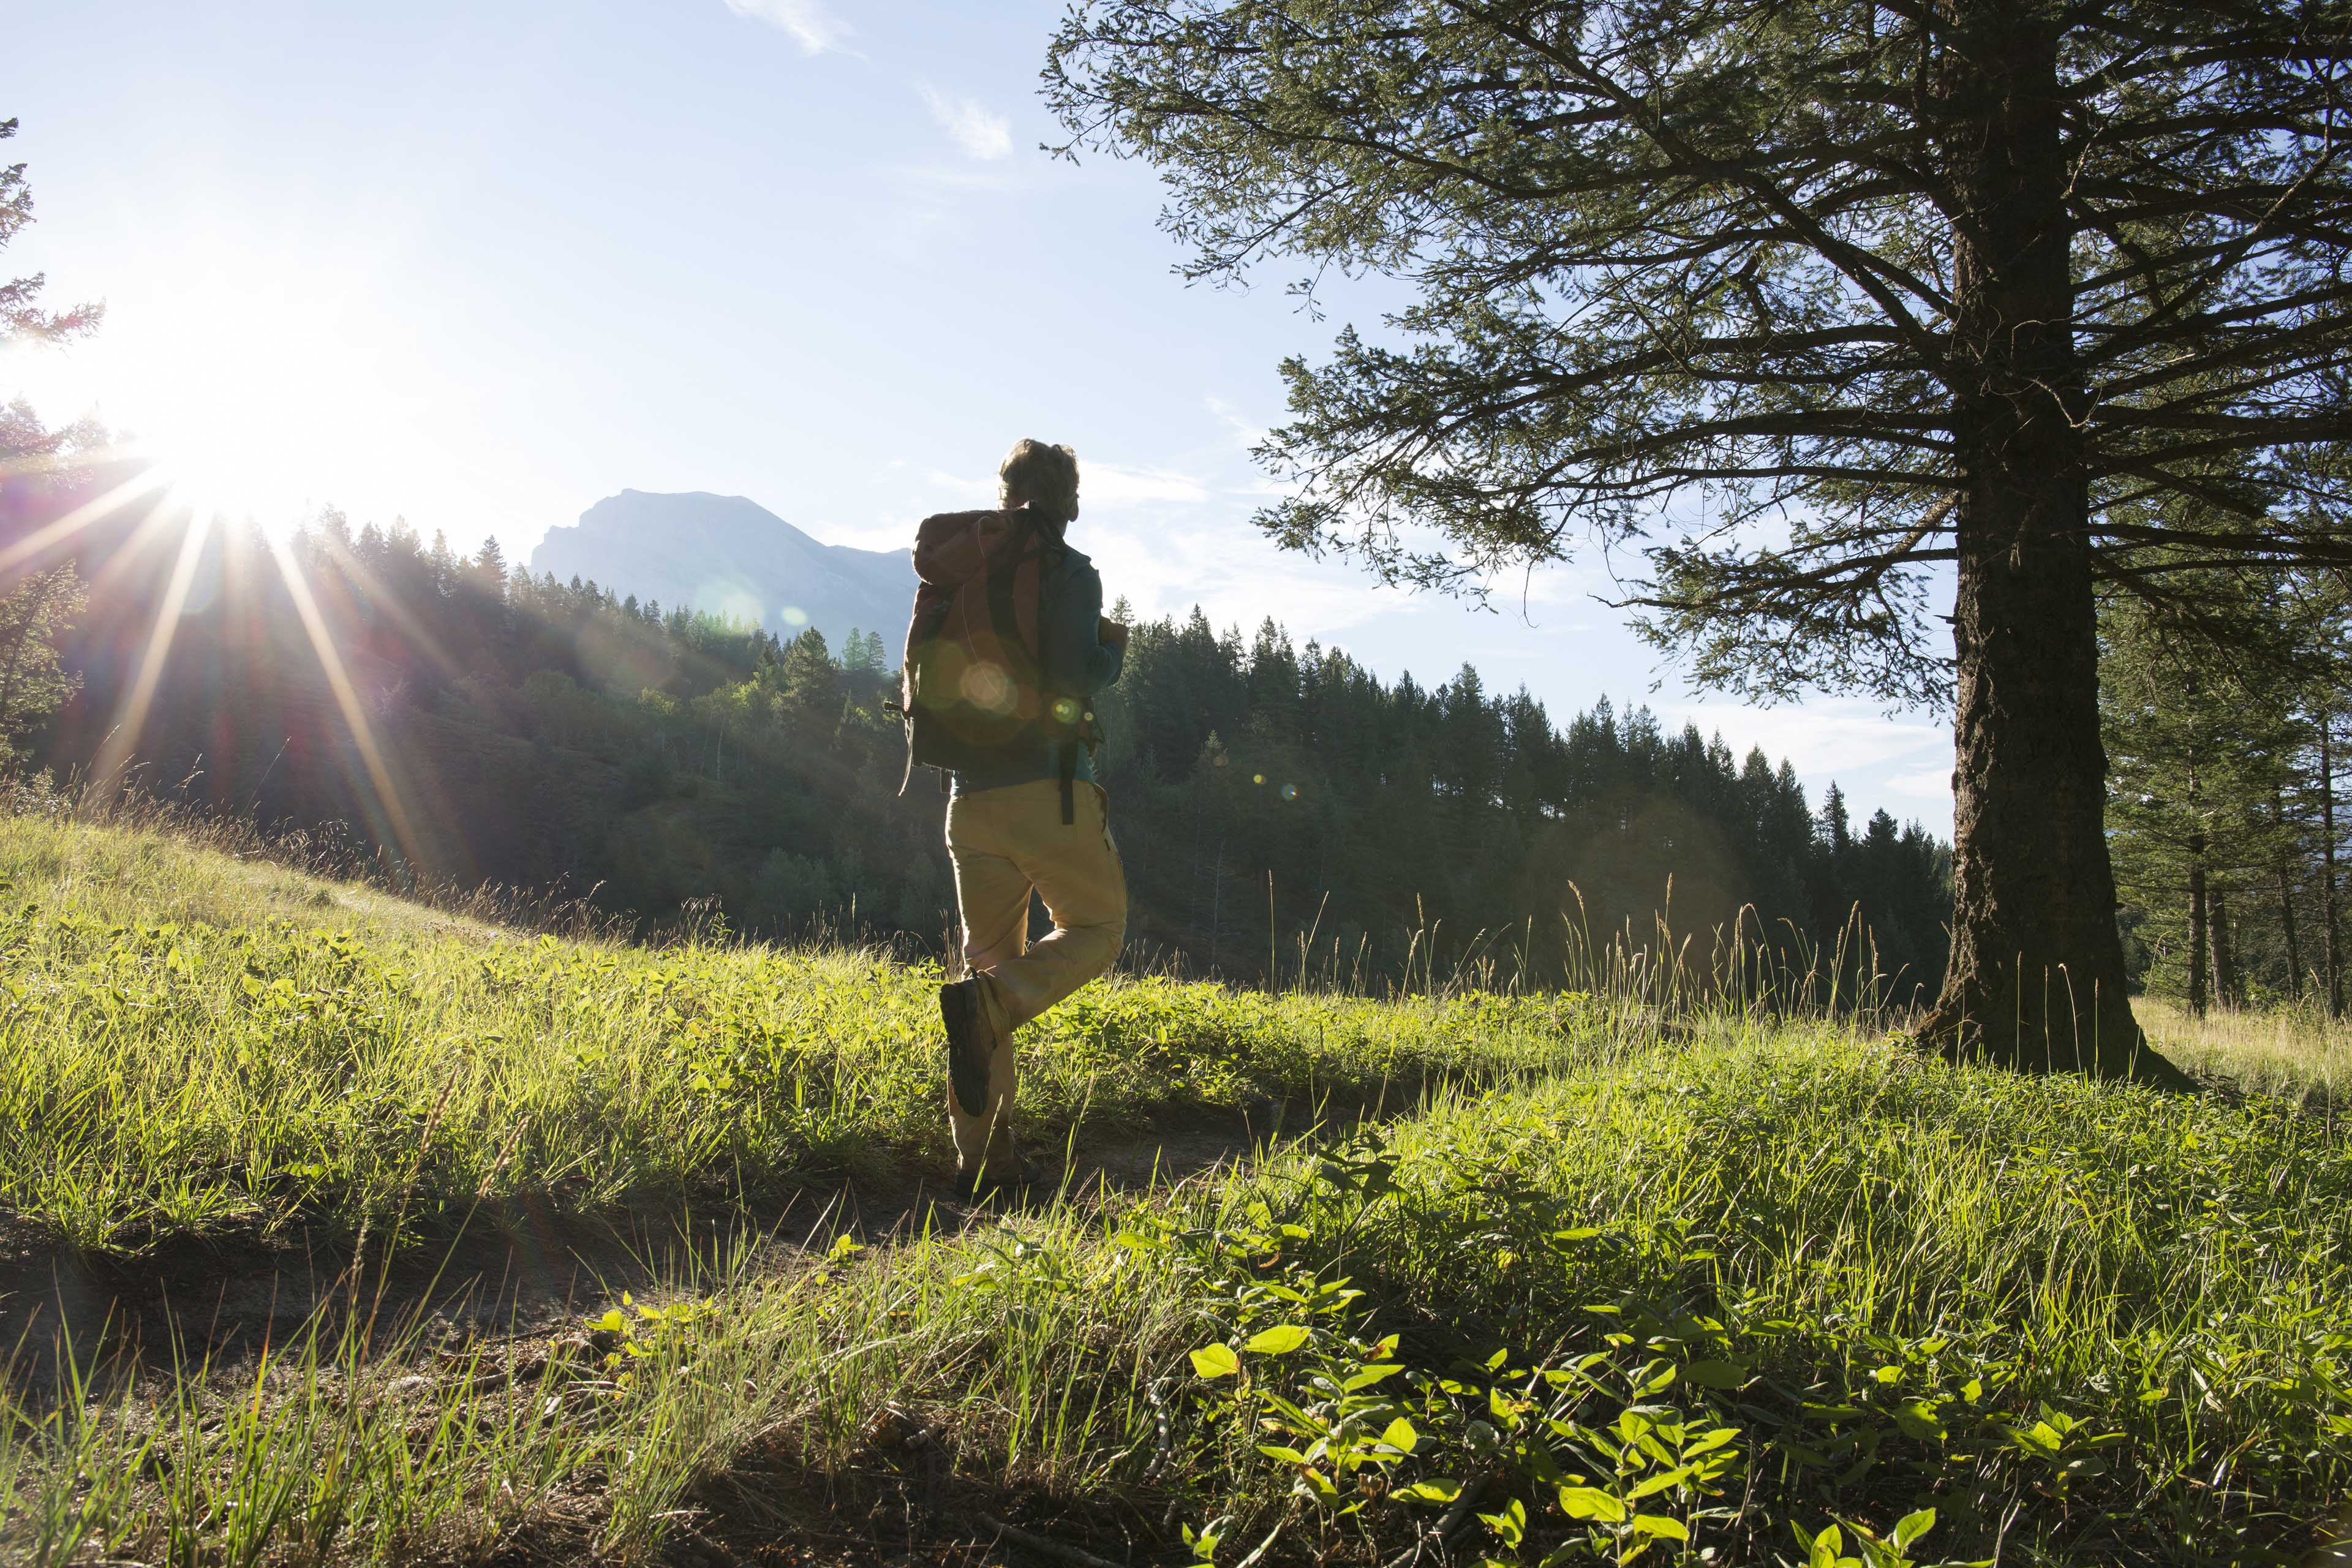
{"x": 1043, "y": 476}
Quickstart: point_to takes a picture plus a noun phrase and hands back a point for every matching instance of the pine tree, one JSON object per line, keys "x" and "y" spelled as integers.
{"x": 1967, "y": 289}
{"x": 33, "y": 682}
{"x": 490, "y": 565}
{"x": 857, "y": 656}
{"x": 40, "y": 609}
{"x": 1470, "y": 741}
{"x": 807, "y": 675}
{"x": 1836, "y": 829}
{"x": 22, "y": 320}
{"x": 2201, "y": 745}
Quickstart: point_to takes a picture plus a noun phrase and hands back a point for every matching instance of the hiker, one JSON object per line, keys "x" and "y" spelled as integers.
{"x": 1004, "y": 653}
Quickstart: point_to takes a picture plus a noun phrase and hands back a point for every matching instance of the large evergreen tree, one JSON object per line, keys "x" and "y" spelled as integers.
{"x": 1899, "y": 290}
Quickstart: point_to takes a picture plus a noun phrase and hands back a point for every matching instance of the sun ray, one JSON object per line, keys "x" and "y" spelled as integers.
{"x": 347, "y": 698}
{"x": 133, "y": 552}
{"x": 41, "y": 539}
{"x": 130, "y": 716}
{"x": 50, "y": 464}
{"x": 416, "y": 631}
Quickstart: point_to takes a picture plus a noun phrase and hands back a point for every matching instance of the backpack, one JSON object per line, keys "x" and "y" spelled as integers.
{"x": 973, "y": 688}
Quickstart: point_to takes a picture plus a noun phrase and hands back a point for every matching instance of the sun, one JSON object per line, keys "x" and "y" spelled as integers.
{"x": 261, "y": 394}
{"x": 255, "y": 386}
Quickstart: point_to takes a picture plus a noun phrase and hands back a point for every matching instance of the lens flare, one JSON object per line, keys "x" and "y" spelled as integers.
{"x": 56, "y": 535}
{"x": 988, "y": 689}
{"x": 393, "y": 810}
{"x": 131, "y": 717}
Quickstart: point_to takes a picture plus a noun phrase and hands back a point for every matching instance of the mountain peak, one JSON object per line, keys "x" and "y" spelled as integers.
{"x": 730, "y": 556}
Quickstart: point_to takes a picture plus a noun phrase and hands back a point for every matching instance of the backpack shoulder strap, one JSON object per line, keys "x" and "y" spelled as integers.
{"x": 1065, "y": 751}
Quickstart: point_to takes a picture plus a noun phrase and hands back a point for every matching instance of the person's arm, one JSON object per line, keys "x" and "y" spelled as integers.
{"x": 1083, "y": 662}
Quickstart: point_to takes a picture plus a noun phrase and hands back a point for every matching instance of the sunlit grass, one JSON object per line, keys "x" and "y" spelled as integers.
{"x": 1724, "y": 1280}
{"x": 2082, "y": 1324}
{"x": 2289, "y": 1051}
{"x": 200, "y": 1045}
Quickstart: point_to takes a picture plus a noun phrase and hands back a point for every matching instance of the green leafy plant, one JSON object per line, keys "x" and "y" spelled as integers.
{"x": 1827, "y": 1547}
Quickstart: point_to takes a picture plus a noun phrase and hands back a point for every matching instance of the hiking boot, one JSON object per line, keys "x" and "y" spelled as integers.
{"x": 1007, "y": 1175}
{"x": 970, "y": 1043}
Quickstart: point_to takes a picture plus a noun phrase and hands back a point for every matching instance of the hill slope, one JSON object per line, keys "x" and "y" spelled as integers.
{"x": 1712, "y": 1288}
{"x": 422, "y": 1061}
{"x": 731, "y": 556}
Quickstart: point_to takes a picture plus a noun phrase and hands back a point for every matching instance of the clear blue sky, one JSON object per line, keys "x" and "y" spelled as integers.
{"x": 480, "y": 264}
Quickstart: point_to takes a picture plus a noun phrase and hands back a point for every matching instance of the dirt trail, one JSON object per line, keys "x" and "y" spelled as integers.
{"x": 526, "y": 1273}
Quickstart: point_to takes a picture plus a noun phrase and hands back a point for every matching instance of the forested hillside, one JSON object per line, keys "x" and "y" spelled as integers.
{"x": 1409, "y": 804}
{"x": 1277, "y": 805}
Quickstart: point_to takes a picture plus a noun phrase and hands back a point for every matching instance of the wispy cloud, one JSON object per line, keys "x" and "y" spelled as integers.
{"x": 974, "y": 127}
{"x": 1246, "y": 435}
{"x": 1104, "y": 484}
{"x": 1900, "y": 762}
{"x": 813, "y": 27}
{"x": 930, "y": 203}
{"x": 1933, "y": 785}
{"x": 1849, "y": 730}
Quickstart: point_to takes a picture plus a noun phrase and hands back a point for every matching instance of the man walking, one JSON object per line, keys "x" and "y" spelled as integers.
{"x": 1004, "y": 654}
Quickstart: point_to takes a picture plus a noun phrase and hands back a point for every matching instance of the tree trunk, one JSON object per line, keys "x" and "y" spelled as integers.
{"x": 2293, "y": 945}
{"x": 2327, "y": 865}
{"x": 2225, "y": 963}
{"x": 2037, "y": 976}
{"x": 2200, "y": 996}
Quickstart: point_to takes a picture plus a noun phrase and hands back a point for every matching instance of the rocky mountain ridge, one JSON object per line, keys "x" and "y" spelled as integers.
{"x": 730, "y": 556}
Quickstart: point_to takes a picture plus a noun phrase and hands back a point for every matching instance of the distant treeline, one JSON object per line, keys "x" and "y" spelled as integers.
{"x": 2228, "y": 755}
{"x": 1276, "y": 807}
{"x": 1381, "y": 810}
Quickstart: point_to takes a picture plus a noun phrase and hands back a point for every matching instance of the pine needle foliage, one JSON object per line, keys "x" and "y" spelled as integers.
{"x": 33, "y": 680}
{"x": 1823, "y": 308}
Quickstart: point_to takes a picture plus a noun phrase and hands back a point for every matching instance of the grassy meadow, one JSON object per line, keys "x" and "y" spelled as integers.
{"x": 2297, "y": 1052}
{"x": 1591, "y": 1286}
{"x": 202, "y": 1046}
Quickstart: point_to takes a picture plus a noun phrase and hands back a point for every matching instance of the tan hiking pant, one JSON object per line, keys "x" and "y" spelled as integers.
{"x": 1005, "y": 842}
